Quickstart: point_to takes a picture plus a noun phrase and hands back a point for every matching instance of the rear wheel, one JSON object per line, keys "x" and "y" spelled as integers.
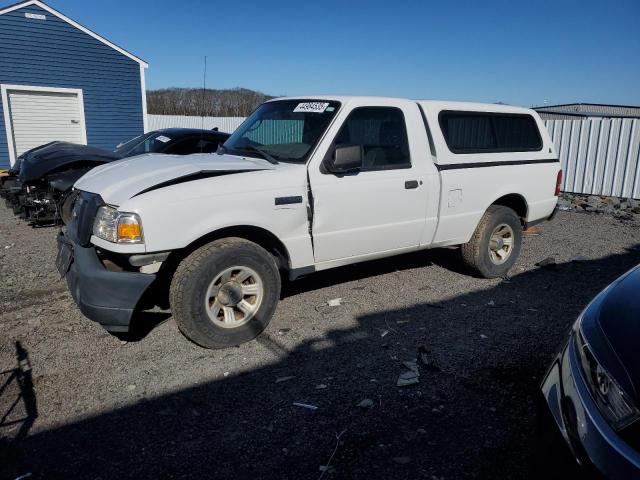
{"x": 225, "y": 293}
{"x": 495, "y": 244}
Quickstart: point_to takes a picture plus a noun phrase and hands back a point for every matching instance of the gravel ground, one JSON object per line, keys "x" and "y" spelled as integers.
{"x": 161, "y": 407}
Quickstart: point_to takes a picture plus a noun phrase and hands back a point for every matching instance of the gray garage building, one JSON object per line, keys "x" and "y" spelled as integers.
{"x": 61, "y": 81}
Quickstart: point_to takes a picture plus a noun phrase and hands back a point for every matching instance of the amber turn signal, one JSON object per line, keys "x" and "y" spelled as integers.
{"x": 128, "y": 231}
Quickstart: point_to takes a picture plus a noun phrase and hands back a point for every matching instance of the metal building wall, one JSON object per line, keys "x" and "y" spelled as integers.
{"x": 54, "y": 53}
{"x": 558, "y": 116}
{"x": 224, "y": 124}
{"x": 599, "y": 156}
{"x": 278, "y": 131}
{"x": 613, "y": 110}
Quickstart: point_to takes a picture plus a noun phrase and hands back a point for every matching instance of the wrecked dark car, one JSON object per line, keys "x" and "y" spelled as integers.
{"x": 10, "y": 185}
{"x": 39, "y": 184}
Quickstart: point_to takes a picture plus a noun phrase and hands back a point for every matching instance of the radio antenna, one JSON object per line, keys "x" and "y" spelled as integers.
{"x": 204, "y": 92}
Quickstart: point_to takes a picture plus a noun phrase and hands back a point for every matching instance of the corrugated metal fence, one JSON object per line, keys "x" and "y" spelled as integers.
{"x": 224, "y": 124}
{"x": 599, "y": 156}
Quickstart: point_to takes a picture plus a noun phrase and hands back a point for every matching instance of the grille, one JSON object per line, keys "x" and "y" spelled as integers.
{"x": 83, "y": 213}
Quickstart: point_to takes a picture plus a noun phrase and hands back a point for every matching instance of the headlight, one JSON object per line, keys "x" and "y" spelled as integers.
{"x": 117, "y": 227}
{"x": 612, "y": 402}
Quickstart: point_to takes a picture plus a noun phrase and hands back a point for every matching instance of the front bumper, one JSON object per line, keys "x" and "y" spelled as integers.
{"x": 10, "y": 189}
{"x": 104, "y": 296}
{"x": 592, "y": 440}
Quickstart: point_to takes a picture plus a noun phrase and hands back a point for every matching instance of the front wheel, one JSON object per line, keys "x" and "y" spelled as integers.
{"x": 495, "y": 244}
{"x": 225, "y": 293}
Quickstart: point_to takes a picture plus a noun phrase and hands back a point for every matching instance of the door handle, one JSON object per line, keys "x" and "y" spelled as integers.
{"x": 410, "y": 184}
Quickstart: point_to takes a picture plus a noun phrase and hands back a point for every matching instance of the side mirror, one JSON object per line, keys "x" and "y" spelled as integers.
{"x": 346, "y": 158}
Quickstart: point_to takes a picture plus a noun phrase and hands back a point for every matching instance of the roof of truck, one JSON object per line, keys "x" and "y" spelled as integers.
{"x": 437, "y": 104}
{"x": 492, "y": 107}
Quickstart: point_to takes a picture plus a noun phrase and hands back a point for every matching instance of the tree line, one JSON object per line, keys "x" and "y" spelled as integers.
{"x": 236, "y": 102}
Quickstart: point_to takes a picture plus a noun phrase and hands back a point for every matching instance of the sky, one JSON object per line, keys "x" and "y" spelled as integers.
{"x": 521, "y": 52}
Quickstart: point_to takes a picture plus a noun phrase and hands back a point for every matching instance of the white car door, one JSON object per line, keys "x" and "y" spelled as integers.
{"x": 381, "y": 206}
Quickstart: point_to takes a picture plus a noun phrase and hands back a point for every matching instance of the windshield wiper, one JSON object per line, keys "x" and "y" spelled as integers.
{"x": 264, "y": 155}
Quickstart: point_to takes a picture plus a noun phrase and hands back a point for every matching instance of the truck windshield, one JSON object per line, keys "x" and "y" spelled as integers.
{"x": 284, "y": 130}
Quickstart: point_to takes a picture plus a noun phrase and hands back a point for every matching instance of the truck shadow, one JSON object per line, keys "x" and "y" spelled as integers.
{"x": 142, "y": 324}
{"x": 448, "y": 258}
{"x": 473, "y": 413}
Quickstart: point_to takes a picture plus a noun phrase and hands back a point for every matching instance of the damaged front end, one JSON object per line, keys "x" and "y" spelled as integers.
{"x": 39, "y": 186}
{"x": 11, "y": 192}
{"x": 49, "y": 200}
{"x": 11, "y": 186}
{"x": 107, "y": 286}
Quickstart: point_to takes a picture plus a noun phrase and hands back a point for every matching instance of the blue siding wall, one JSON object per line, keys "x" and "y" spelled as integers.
{"x": 53, "y": 53}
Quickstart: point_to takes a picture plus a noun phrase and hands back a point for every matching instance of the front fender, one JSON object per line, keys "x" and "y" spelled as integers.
{"x": 63, "y": 182}
{"x": 176, "y": 216}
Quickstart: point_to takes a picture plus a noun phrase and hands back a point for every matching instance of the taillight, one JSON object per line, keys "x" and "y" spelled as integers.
{"x": 558, "y": 183}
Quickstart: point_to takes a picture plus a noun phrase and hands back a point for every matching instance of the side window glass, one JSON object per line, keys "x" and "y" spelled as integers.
{"x": 468, "y": 132}
{"x": 382, "y": 132}
{"x": 473, "y": 132}
{"x": 207, "y": 145}
{"x": 184, "y": 147}
{"x": 517, "y": 132}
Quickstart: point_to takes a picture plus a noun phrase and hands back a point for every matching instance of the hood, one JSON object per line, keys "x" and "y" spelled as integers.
{"x": 611, "y": 326}
{"x": 51, "y": 157}
{"x": 16, "y": 166}
{"x": 119, "y": 181}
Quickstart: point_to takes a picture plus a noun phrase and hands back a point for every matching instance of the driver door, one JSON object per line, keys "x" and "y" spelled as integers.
{"x": 381, "y": 206}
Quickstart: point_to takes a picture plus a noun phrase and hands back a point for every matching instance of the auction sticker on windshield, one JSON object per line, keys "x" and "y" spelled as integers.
{"x": 163, "y": 139}
{"x": 311, "y": 107}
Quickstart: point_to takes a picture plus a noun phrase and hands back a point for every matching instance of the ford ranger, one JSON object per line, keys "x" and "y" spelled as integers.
{"x": 304, "y": 184}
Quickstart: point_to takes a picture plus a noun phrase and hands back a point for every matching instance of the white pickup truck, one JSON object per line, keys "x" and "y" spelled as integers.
{"x": 304, "y": 184}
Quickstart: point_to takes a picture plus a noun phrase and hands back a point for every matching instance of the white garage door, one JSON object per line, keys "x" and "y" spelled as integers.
{"x": 39, "y": 117}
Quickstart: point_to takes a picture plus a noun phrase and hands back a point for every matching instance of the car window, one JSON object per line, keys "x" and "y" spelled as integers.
{"x": 208, "y": 145}
{"x": 517, "y": 132}
{"x": 468, "y": 132}
{"x": 193, "y": 145}
{"x": 152, "y": 142}
{"x": 480, "y": 132}
{"x": 382, "y": 132}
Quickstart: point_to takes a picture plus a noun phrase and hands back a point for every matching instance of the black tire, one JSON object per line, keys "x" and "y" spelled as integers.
{"x": 476, "y": 253}
{"x": 193, "y": 277}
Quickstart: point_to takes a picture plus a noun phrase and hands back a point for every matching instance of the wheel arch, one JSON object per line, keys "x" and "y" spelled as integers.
{"x": 516, "y": 202}
{"x": 159, "y": 294}
{"x": 258, "y": 235}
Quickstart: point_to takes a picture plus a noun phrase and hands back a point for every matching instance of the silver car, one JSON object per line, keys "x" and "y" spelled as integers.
{"x": 592, "y": 388}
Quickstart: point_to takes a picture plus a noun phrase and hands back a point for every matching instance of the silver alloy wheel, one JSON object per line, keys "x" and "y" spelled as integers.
{"x": 234, "y": 297}
{"x": 501, "y": 244}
